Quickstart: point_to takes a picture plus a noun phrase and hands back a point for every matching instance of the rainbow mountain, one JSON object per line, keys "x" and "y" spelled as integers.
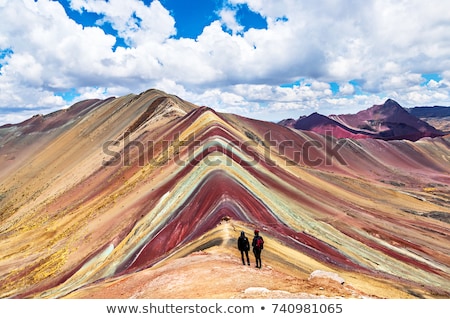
{"x": 107, "y": 197}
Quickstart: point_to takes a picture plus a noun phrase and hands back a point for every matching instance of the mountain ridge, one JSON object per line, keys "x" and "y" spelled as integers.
{"x": 437, "y": 116}
{"x": 387, "y": 121}
{"x": 138, "y": 183}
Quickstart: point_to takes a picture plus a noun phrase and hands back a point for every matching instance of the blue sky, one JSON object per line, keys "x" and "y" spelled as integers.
{"x": 269, "y": 60}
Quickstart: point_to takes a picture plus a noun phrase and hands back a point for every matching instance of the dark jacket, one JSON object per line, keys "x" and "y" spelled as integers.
{"x": 243, "y": 243}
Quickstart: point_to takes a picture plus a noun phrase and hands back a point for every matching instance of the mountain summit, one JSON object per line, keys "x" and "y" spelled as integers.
{"x": 387, "y": 121}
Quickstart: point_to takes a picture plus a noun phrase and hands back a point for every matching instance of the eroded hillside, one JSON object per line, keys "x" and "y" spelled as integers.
{"x": 150, "y": 188}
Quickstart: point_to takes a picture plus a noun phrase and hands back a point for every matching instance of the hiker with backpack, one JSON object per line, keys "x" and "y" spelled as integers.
{"x": 258, "y": 245}
{"x": 244, "y": 247}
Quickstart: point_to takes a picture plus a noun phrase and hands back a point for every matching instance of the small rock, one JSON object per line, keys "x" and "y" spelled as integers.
{"x": 250, "y": 290}
{"x": 326, "y": 274}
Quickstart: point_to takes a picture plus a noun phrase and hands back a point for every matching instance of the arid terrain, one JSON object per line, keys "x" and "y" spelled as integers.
{"x": 217, "y": 273}
{"x": 144, "y": 196}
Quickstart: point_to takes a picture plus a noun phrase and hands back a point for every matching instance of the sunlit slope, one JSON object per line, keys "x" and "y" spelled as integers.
{"x": 139, "y": 180}
{"x": 209, "y": 267}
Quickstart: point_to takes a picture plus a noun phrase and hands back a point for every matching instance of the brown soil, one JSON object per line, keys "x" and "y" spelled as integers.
{"x": 216, "y": 275}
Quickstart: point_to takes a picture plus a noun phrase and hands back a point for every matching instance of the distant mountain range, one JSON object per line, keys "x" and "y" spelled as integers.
{"x": 387, "y": 121}
{"x": 430, "y": 111}
{"x": 436, "y": 116}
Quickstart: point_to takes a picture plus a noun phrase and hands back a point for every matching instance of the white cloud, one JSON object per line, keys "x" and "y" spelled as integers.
{"x": 26, "y": 69}
{"x": 400, "y": 81}
{"x": 135, "y": 22}
{"x": 228, "y": 18}
{"x": 346, "y": 89}
{"x": 385, "y": 45}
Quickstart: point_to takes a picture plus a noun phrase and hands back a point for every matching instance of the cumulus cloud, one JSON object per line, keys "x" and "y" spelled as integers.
{"x": 372, "y": 49}
{"x": 346, "y": 89}
{"x": 228, "y": 18}
{"x": 135, "y": 22}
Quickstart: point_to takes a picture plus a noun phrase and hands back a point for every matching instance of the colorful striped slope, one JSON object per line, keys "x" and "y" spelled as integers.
{"x": 108, "y": 191}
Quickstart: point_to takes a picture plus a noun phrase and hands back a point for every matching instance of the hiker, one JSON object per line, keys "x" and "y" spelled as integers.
{"x": 244, "y": 247}
{"x": 258, "y": 245}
